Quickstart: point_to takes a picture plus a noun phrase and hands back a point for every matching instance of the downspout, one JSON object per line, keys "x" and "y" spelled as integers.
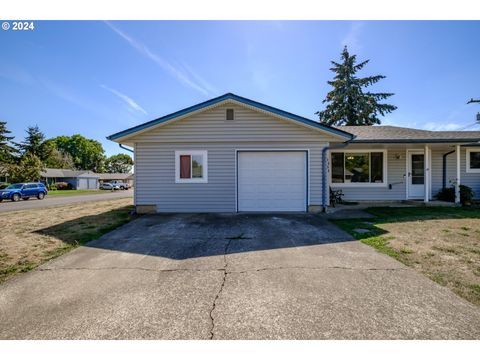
{"x": 325, "y": 170}
{"x": 444, "y": 175}
{"x": 125, "y": 148}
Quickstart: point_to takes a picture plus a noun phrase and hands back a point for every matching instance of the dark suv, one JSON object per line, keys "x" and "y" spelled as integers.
{"x": 24, "y": 191}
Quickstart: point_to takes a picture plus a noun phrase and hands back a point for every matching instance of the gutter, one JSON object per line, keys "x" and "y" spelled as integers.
{"x": 444, "y": 174}
{"x": 125, "y": 148}
{"x": 325, "y": 169}
{"x": 416, "y": 141}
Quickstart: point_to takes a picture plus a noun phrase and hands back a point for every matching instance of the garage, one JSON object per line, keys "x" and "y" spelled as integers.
{"x": 92, "y": 184}
{"x": 272, "y": 180}
{"x": 82, "y": 184}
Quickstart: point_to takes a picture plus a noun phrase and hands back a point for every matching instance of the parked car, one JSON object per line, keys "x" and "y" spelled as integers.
{"x": 109, "y": 186}
{"x": 122, "y": 185}
{"x": 24, "y": 191}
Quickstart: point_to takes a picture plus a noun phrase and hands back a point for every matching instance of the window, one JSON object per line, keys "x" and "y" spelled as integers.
{"x": 473, "y": 160}
{"x": 358, "y": 167}
{"x": 191, "y": 166}
{"x": 230, "y": 115}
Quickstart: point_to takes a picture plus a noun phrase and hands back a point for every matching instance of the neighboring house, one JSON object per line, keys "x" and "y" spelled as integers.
{"x": 106, "y": 177}
{"x": 232, "y": 154}
{"x": 79, "y": 179}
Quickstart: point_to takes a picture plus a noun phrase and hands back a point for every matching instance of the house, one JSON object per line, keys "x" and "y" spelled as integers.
{"x": 232, "y": 154}
{"x": 78, "y": 179}
{"x": 106, "y": 177}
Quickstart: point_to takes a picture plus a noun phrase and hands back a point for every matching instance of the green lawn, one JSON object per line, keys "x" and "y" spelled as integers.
{"x": 73, "y": 192}
{"x": 39, "y": 235}
{"x": 443, "y": 243}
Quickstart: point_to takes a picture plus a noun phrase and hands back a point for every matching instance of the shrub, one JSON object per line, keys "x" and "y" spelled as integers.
{"x": 466, "y": 194}
{"x": 63, "y": 186}
{"x": 52, "y": 187}
{"x": 448, "y": 194}
{"x": 4, "y": 185}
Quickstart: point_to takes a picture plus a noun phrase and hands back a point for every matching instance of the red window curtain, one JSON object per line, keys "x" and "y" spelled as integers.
{"x": 185, "y": 167}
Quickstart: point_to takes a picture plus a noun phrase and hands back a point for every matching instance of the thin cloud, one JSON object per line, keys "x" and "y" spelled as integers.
{"x": 351, "y": 40}
{"x": 64, "y": 92}
{"x": 125, "y": 98}
{"x": 442, "y": 126}
{"x": 16, "y": 74}
{"x": 181, "y": 75}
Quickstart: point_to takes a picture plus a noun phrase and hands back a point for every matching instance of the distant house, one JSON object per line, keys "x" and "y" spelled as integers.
{"x": 79, "y": 179}
{"x": 106, "y": 177}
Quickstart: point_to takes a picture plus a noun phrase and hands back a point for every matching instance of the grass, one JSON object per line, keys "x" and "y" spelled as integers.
{"x": 443, "y": 243}
{"x": 38, "y": 235}
{"x": 73, "y": 192}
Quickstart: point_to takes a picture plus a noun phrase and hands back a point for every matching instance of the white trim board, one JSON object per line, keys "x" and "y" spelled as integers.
{"x": 359, "y": 185}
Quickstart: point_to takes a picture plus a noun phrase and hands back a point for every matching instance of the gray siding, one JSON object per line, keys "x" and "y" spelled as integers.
{"x": 155, "y": 157}
{"x": 249, "y": 125}
{"x": 395, "y": 176}
{"x": 470, "y": 179}
{"x": 155, "y": 176}
{"x": 396, "y": 169}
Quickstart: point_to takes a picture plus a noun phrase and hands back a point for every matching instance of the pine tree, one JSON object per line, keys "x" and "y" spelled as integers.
{"x": 7, "y": 151}
{"x": 33, "y": 142}
{"x": 347, "y": 103}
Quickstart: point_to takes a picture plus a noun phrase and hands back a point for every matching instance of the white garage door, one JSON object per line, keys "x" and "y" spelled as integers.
{"x": 272, "y": 181}
{"x": 82, "y": 184}
{"x": 92, "y": 183}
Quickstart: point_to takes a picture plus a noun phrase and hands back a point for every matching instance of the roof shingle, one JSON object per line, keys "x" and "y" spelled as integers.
{"x": 388, "y": 133}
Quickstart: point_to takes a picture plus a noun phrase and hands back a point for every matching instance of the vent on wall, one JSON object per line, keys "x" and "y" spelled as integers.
{"x": 230, "y": 115}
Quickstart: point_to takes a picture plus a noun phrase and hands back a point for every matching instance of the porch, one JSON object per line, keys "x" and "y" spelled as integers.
{"x": 401, "y": 173}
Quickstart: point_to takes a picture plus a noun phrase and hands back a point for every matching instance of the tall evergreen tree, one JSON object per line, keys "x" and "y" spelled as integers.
{"x": 7, "y": 151}
{"x": 347, "y": 103}
{"x": 33, "y": 143}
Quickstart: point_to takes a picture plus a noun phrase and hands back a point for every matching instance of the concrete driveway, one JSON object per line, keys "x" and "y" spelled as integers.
{"x": 230, "y": 277}
{"x": 34, "y": 203}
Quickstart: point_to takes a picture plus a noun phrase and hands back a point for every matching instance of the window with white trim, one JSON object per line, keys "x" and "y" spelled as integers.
{"x": 473, "y": 160}
{"x": 191, "y": 166}
{"x": 358, "y": 168}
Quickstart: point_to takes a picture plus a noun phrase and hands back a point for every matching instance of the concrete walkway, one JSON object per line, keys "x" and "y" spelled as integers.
{"x": 34, "y": 203}
{"x": 230, "y": 277}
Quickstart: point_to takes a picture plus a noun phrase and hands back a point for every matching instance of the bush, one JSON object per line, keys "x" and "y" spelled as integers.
{"x": 63, "y": 186}
{"x": 52, "y": 187}
{"x": 448, "y": 194}
{"x": 4, "y": 185}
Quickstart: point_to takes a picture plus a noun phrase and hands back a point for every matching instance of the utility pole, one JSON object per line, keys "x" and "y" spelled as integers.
{"x": 471, "y": 101}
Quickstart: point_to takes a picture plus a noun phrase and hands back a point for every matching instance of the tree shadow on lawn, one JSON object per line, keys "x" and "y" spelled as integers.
{"x": 184, "y": 236}
{"x": 86, "y": 228}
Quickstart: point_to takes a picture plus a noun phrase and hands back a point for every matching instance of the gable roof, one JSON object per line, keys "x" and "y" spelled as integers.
{"x": 66, "y": 173}
{"x": 223, "y": 98}
{"x": 397, "y": 134}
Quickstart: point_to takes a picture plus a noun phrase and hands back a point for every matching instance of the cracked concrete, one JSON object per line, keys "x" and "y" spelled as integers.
{"x": 230, "y": 277}
{"x": 227, "y": 245}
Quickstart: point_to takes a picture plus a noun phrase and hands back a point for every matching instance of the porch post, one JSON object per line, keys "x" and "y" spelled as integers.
{"x": 426, "y": 162}
{"x": 457, "y": 180}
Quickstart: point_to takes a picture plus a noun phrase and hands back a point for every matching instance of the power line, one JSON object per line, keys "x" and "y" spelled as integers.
{"x": 468, "y": 126}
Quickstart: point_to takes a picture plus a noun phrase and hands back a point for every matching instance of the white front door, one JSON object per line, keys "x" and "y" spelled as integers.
{"x": 272, "y": 180}
{"x": 416, "y": 175}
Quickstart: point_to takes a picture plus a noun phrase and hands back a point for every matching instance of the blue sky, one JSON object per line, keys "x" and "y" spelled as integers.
{"x": 96, "y": 78}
